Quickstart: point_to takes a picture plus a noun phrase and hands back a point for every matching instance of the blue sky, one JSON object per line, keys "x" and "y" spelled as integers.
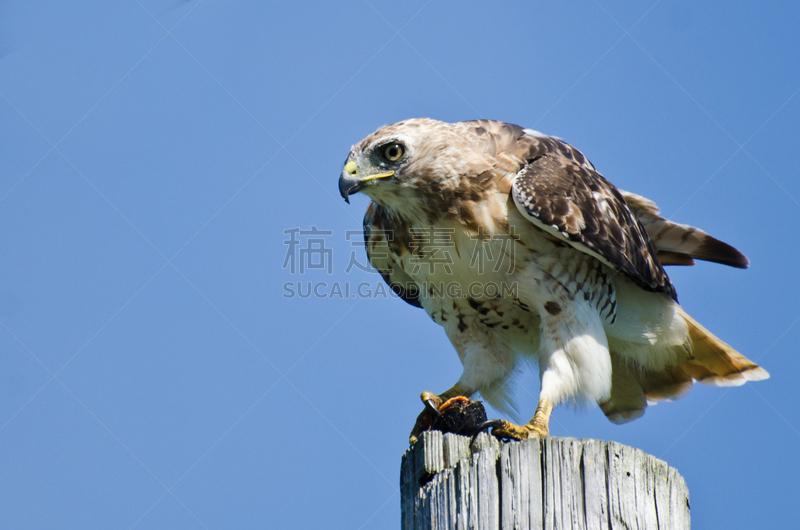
{"x": 153, "y": 152}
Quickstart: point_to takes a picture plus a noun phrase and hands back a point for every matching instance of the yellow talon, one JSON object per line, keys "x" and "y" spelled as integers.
{"x": 538, "y": 427}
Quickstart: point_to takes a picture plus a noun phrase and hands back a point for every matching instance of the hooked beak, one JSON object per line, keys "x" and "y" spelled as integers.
{"x": 350, "y": 182}
{"x": 348, "y": 185}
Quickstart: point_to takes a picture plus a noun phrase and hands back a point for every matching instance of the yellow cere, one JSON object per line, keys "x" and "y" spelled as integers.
{"x": 351, "y": 169}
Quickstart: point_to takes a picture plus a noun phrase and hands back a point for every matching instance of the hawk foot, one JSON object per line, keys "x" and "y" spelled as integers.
{"x": 508, "y": 431}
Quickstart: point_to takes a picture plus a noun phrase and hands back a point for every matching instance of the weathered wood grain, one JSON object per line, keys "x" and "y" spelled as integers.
{"x": 451, "y": 482}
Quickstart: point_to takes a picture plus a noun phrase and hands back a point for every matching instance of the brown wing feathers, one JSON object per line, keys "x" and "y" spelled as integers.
{"x": 675, "y": 244}
{"x": 587, "y": 209}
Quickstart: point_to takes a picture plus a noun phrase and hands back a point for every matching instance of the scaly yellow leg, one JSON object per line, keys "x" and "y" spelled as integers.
{"x": 538, "y": 427}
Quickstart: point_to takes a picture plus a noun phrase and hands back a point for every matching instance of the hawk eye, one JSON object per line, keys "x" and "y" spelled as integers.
{"x": 393, "y": 152}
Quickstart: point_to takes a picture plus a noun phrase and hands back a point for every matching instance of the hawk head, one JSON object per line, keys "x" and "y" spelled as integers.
{"x": 384, "y": 159}
{"x": 409, "y": 162}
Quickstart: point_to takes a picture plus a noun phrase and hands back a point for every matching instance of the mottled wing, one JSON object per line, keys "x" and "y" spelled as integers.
{"x": 577, "y": 205}
{"x": 385, "y": 240}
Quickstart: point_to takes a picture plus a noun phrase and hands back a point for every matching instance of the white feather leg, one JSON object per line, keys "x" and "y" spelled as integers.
{"x": 574, "y": 362}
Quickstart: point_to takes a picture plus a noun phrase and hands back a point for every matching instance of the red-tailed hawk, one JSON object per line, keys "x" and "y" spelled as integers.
{"x": 515, "y": 244}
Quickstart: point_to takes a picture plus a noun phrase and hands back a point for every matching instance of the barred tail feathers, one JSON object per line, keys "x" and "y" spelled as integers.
{"x": 679, "y": 244}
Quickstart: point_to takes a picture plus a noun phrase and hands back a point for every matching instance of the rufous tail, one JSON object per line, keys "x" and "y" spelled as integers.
{"x": 715, "y": 363}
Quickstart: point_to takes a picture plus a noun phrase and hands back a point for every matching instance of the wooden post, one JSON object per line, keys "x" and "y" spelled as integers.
{"x": 450, "y": 482}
